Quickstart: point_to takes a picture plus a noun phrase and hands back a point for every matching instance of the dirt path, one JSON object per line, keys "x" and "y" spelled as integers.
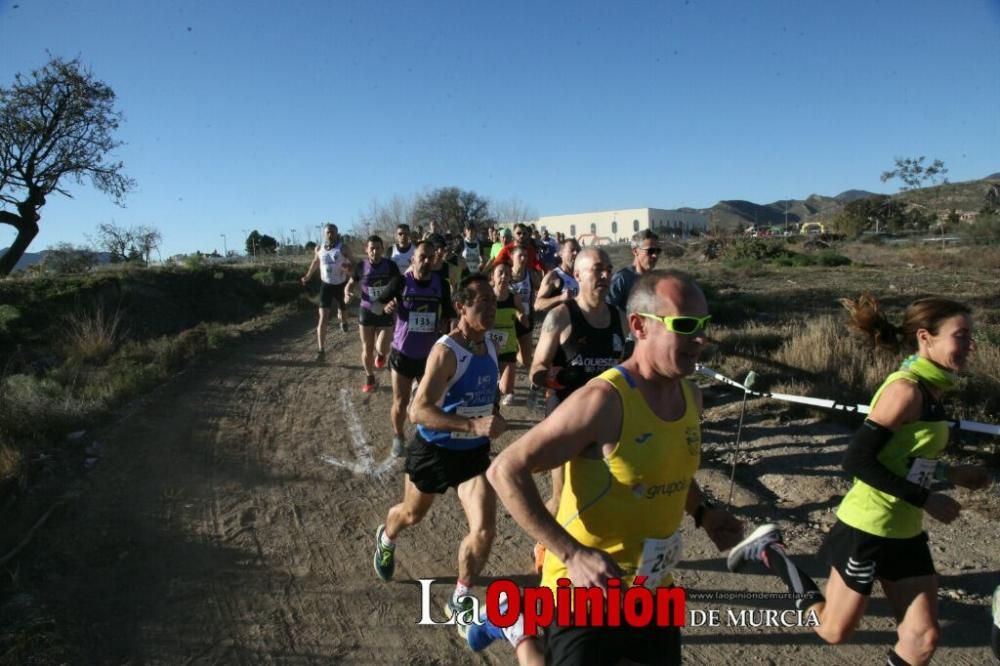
{"x": 215, "y": 529}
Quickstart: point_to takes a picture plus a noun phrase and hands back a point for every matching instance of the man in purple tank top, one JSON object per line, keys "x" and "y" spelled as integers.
{"x": 373, "y": 276}
{"x": 421, "y": 302}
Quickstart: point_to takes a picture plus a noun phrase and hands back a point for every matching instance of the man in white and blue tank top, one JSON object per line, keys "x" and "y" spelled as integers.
{"x": 455, "y": 409}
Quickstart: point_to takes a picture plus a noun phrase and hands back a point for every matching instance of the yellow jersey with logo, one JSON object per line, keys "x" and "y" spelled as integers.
{"x": 635, "y": 495}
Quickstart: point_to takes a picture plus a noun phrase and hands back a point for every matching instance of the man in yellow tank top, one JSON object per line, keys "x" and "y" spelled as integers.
{"x": 629, "y": 442}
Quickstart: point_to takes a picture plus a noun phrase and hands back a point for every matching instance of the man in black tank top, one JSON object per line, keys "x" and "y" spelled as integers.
{"x": 580, "y": 339}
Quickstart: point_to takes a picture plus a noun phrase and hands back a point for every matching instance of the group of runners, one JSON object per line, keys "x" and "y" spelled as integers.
{"x": 621, "y": 433}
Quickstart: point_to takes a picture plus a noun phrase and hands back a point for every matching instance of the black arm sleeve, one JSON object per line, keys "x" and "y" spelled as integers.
{"x": 861, "y": 461}
{"x": 394, "y": 290}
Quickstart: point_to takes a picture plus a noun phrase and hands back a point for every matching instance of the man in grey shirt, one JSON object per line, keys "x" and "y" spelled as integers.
{"x": 645, "y": 253}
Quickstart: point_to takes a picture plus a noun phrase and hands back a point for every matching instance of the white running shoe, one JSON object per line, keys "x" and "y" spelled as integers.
{"x": 751, "y": 549}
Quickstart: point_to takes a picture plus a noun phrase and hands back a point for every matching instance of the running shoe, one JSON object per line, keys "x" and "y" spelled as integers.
{"x": 752, "y": 548}
{"x": 507, "y": 399}
{"x": 398, "y": 446}
{"x": 343, "y": 326}
{"x": 379, "y": 361}
{"x": 369, "y": 385}
{"x": 482, "y": 634}
{"x": 385, "y": 557}
{"x": 461, "y": 611}
{"x": 533, "y": 398}
{"x": 995, "y": 629}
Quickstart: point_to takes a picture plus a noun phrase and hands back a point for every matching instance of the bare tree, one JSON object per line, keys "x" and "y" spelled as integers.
{"x": 383, "y": 218}
{"x": 127, "y": 244}
{"x": 146, "y": 240}
{"x": 512, "y": 211}
{"x": 114, "y": 240}
{"x": 56, "y": 123}
{"x": 451, "y": 208}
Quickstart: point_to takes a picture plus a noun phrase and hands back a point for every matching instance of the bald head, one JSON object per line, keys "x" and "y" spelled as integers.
{"x": 589, "y": 256}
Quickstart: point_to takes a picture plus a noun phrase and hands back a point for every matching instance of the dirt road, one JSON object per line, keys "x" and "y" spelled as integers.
{"x": 231, "y": 520}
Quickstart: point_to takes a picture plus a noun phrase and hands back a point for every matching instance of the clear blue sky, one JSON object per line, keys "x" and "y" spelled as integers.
{"x": 283, "y": 115}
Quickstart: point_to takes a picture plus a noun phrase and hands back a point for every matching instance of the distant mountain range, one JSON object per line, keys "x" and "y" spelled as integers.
{"x": 32, "y": 258}
{"x": 737, "y": 214}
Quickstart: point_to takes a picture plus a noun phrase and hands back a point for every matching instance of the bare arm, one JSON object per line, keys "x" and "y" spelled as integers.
{"x": 551, "y": 297}
{"x": 424, "y": 409}
{"x": 519, "y": 309}
{"x": 312, "y": 269}
{"x": 589, "y": 418}
{"x": 556, "y": 321}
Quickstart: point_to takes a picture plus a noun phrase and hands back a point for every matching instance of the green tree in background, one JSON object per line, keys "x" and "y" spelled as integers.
{"x": 258, "y": 244}
{"x": 914, "y": 175}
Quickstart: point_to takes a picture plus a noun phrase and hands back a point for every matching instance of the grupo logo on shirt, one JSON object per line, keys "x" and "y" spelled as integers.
{"x": 652, "y": 492}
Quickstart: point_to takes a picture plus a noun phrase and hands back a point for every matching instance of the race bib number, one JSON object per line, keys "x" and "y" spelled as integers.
{"x": 422, "y": 322}
{"x": 659, "y": 557}
{"x": 375, "y": 293}
{"x": 922, "y": 472}
{"x": 476, "y": 412}
{"x": 499, "y": 338}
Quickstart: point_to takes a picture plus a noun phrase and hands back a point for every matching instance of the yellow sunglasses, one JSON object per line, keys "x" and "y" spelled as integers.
{"x": 681, "y": 324}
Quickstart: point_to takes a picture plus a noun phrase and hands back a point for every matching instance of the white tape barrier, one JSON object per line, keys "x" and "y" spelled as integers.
{"x": 969, "y": 426}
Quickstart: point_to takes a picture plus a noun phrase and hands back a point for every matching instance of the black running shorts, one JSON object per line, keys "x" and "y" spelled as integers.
{"x": 368, "y": 318}
{"x": 597, "y": 646}
{"x": 860, "y": 558}
{"x": 329, "y": 294}
{"x": 434, "y": 469}
{"x": 411, "y": 368}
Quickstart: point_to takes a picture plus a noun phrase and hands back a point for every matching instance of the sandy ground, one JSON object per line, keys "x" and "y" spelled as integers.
{"x": 230, "y": 520}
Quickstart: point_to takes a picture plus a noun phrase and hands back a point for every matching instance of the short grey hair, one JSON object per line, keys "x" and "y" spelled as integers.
{"x": 645, "y": 234}
{"x": 643, "y": 297}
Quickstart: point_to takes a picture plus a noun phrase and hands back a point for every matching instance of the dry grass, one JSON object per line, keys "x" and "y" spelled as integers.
{"x": 92, "y": 335}
{"x": 820, "y": 357}
{"x": 10, "y": 463}
{"x": 825, "y": 349}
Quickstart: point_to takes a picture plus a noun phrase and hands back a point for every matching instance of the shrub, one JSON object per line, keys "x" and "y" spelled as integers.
{"x": 92, "y": 335}
{"x": 831, "y": 258}
{"x": 66, "y": 258}
{"x": 266, "y": 278}
{"x": 8, "y": 317}
{"x": 755, "y": 249}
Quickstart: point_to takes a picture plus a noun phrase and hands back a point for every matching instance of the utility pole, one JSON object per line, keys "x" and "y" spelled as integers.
{"x": 225, "y": 247}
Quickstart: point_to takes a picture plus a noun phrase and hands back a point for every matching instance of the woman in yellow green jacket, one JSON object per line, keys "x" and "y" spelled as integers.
{"x": 894, "y": 460}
